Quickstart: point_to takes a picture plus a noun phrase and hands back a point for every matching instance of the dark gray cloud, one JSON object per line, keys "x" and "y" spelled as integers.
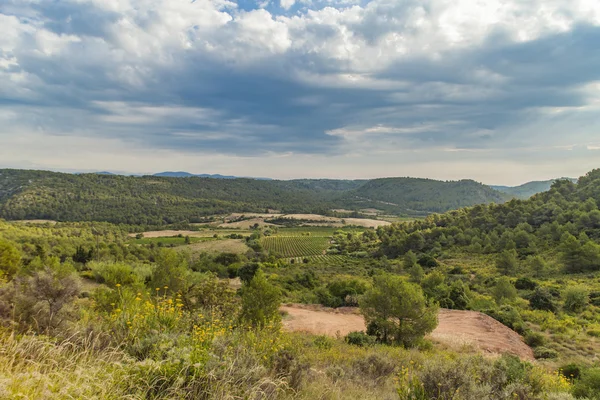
{"x": 233, "y": 79}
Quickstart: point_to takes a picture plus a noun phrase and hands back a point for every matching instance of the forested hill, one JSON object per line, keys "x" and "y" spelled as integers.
{"x": 566, "y": 219}
{"x": 425, "y": 195}
{"x": 528, "y": 189}
{"x": 26, "y": 194}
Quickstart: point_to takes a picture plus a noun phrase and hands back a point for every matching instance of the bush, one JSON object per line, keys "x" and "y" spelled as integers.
{"x": 359, "y": 339}
{"x": 534, "y": 339}
{"x": 427, "y": 261}
{"x": 570, "y": 371}
{"x": 508, "y": 316}
{"x": 504, "y": 290}
{"x": 576, "y": 298}
{"x": 525, "y": 283}
{"x": 113, "y": 273}
{"x": 545, "y": 353}
{"x": 588, "y": 385}
{"x": 542, "y": 299}
{"x": 323, "y": 342}
{"x": 374, "y": 367}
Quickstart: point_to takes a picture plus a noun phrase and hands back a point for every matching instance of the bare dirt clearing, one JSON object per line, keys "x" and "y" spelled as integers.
{"x": 245, "y": 224}
{"x": 367, "y": 223}
{"x": 171, "y": 233}
{"x": 37, "y": 221}
{"x": 456, "y": 329}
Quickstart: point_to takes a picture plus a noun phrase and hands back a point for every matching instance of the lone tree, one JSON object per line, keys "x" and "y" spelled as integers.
{"x": 398, "y": 310}
{"x": 260, "y": 301}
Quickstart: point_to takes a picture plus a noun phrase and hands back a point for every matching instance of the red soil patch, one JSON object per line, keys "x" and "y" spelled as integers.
{"x": 455, "y": 328}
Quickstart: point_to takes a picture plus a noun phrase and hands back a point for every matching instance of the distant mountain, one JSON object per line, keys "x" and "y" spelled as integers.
{"x": 178, "y": 174}
{"x": 104, "y": 173}
{"x": 528, "y": 189}
{"x": 183, "y": 174}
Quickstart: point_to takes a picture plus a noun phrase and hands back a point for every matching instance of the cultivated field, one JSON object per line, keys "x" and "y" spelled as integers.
{"x": 237, "y": 246}
{"x": 296, "y": 246}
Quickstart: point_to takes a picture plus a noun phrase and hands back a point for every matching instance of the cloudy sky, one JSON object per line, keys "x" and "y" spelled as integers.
{"x": 501, "y": 91}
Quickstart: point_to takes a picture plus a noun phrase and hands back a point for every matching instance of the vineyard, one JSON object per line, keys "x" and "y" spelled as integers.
{"x": 296, "y": 246}
{"x": 321, "y": 259}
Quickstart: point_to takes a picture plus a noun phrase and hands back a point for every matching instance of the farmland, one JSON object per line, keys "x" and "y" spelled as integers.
{"x": 296, "y": 246}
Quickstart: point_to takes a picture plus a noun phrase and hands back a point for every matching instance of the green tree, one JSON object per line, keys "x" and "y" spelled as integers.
{"x": 260, "y": 301}
{"x": 538, "y": 267}
{"x": 399, "y": 310}
{"x": 410, "y": 260}
{"x": 576, "y": 298}
{"x": 171, "y": 272}
{"x": 10, "y": 259}
{"x": 541, "y": 299}
{"x": 247, "y": 271}
{"x": 507, "y": 262}
{"x": 504, "y": 290}
{"x": 416, "y": 273}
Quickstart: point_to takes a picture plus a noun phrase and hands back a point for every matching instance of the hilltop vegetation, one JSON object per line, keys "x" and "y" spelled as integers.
{"x": 155, "y": 200}
{"x": 528, "y": 189}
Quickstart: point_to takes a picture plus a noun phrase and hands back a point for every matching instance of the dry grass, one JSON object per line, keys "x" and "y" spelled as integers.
{"x": 35, "y": 368}
{"x": 237, "y": 246}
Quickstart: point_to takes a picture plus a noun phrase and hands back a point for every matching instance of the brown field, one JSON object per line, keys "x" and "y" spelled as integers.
{"x": 246, "y": 224}
{"x": 37, "y": 221}
{"x": 171, "y": 233}
{"x": 251, "y": 215}
{"x": 218, "y": 246}
{"x": 456, "y": 329}
{"x": 367, "y": 223}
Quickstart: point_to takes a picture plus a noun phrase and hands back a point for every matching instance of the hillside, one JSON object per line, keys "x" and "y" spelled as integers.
{"x": 528, "y": 189}
{"x": 423, "y": 196}
{"x": 158, "y": 200}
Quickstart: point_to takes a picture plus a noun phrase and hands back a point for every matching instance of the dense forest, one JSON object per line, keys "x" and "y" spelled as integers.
{"x": 528, "y": 189}
{"x": 160, "y": 200}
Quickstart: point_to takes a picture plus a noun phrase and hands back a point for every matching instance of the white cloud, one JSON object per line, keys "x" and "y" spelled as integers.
{"x": 334, "y": 77}
{"x": 287, "y": 4}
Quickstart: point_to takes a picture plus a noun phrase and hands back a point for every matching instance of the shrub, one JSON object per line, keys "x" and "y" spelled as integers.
{"x": 427, "y": 261}
{"x": 570, "y": 371}
{"x": 594, "y": 332}
{"x": 542, "y": 299}
{"x": 525, "y": 283}
{"x": 576, "y": 298}
{"x": 534, "y": 339}
{"x": 374, "y": 367}
{"x": 507, "y": 315}
{"x": 10, "y": 259}
{"x": 359, "y": 339}
{"x": 113, "y": 273}
{"x": 588, "y": 385}
{"x": 247, "y": 271}
{"x": 41, "y": 301}
{"x": 544, "y": 353}
{"x": 323, "y": 342}
{"x": 504, "y": 290}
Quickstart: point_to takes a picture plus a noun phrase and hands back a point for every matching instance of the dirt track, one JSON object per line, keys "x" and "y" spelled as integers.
{"x": 455, "y": 329}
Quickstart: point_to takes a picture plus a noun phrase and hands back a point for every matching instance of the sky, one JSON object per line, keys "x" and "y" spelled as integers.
{"x": 500, "y": 91}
